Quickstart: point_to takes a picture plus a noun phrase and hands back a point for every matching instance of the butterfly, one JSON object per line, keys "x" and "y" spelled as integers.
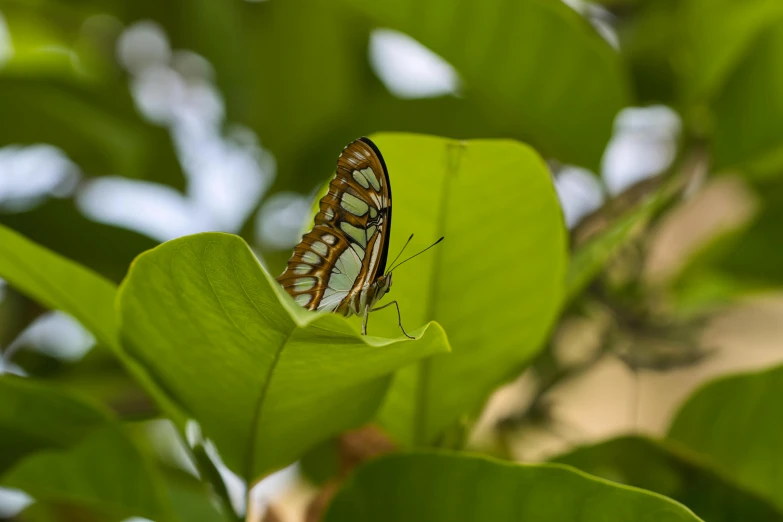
{"x": 340, "y": 265}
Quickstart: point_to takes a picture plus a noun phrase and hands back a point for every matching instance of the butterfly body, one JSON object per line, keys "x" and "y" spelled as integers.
{"x": 339, "y": 265}
{"x": 366, "y": 297}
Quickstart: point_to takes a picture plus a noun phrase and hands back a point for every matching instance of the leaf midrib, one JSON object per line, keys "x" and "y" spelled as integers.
{"x": 425, "y": 367}
{"x": 258, "y": 408}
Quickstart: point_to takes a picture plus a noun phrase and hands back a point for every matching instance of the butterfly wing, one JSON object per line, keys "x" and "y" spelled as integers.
{"x": 348, "y": 246}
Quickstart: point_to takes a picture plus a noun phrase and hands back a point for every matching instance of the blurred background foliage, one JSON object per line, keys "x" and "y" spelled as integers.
{"x": 127, "y": 123}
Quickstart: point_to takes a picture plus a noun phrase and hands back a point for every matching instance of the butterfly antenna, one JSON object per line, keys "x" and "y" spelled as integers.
{"x": 414, "y": 255}
{"x": 402, "y": 250}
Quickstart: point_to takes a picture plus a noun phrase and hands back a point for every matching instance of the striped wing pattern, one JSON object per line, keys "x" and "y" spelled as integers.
{"x": 347, "y": 248}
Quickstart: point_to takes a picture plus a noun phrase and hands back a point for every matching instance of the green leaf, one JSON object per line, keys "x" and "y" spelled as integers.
{"x": 435, "y": 487}
{"x": 321, "y": 463}
{"x": 668, "y": 470}
{"x": 495, "y": 283}
{"x": 686, "y": 53}
{"x": 562, "y": 100}
{"x": 97, "y": 126}
{"x": 63, "y": 86}
{"x": 104, "y": 473}
{"x": 34, "y": 417}
{"x": 194, "y": 505}
{"x": 66, "y": 451}
{"x": 749, "y": 111}
{"x": 59, "y": 283}
{"x": 735, "y": 423}
{"x": 57, "y": 224}
{"x": 300, "y": 124}
{"x": 716, "y": 35}
{"x": 739, "y": 261}
{"x": 265, "y": 378}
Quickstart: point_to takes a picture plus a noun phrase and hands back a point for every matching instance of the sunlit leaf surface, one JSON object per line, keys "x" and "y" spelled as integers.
{"x": 495, "y": 283}
{"x": 265, "y": 378}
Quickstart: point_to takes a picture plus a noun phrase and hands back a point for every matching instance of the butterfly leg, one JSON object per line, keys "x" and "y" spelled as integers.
{"x": 399, "y": 317}
{"x": 364, "y": 319}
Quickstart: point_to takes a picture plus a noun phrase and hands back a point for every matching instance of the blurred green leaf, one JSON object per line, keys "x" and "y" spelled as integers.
{"x": 717, "y": 34}
{"x": 35, "y": 417}
{"x": 321, "y": 462}
{"x": 495, "y": 283}
{"x": 265, "y": 378}
{"x": 740, "y": 260}
{"x": 191, "y": 497}
{"x": 648, "y": 40}
{"x": 64, "y": 450}
{"x": 96, "y": 125}
{"x": 660, "y": 467}
{"x": 724, "y": 60}
{"x": 58, "y": 512}
{"x": 99, "y": 375}
{"x": 297, "y": 96}
{"x": 63, "y": 86}
{"x": 715, "y": 61}
{"x": 735, "y": 424}
{"x": 452, "y": 487}
{"x": 749, "y": 111}
{"x": 194, "y": 505}
{"x": 551, "y": 80}
{"x": 59, "y": 283}
{"x": 303, "y": 105}
{"x": 58, "y": 224}
{"x": 104, "y": 473}
{"x": 747, "y": 254}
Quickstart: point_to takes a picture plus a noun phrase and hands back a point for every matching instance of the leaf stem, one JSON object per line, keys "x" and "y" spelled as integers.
{"x": 211, "y": 474}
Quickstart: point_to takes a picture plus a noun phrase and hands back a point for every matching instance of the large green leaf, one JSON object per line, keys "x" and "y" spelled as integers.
{"x": 62, "y": 450}
{"x": 456, "y": 488}
{"x": 735, "y": 423}
{"x": 541, "y": 72}
{"x": 495, "y": 283}
{"x": 265, "y": 378}
{"x": 665, "y": 469}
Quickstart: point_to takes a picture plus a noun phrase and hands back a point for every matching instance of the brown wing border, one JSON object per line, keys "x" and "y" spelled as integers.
{"x": 387, "y": 233}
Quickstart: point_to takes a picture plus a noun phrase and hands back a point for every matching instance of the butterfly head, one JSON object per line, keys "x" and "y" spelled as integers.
{"x": 384, "y": 283}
